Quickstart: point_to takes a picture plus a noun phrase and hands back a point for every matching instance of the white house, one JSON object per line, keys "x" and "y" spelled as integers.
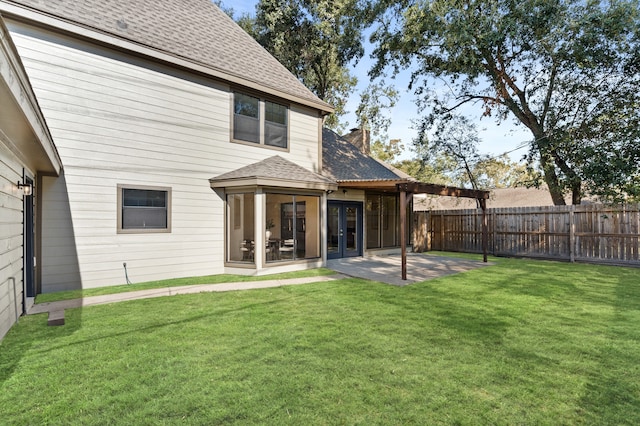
{"x": 162, "y": 141}
{"x": 27, "y": 152}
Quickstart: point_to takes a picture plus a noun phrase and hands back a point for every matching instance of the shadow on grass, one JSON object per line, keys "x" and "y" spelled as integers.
{"x": 469, "y": 319}
{"x": 26, "y": 335}
{"x": 613, "y": 387}
{"x": 156, "y": 326}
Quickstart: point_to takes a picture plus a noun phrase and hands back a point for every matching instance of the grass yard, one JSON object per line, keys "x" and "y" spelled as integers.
{"x": 520, "y": 342}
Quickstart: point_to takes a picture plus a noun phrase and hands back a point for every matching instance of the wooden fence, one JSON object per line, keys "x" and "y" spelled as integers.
{"x": 590, "y": 233}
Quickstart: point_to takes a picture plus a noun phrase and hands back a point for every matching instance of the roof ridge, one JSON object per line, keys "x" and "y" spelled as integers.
{"x": 194, "y": 31}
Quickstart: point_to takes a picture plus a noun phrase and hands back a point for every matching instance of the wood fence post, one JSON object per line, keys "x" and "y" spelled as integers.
{"x": 441, "y": 232}
{"x": 572, "y": 234}
{"x": 494, "y": 224}
{"x": 429, "y": 225}
{"x": 599, "y": 217}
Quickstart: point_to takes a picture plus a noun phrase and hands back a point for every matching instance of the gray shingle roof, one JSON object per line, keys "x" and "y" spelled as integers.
{"x": 344, "y": 162}
{"x": 276, "y": 168}
{"x": 192, "y": 30}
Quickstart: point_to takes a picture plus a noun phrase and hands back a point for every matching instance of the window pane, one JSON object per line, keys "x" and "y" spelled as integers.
{"x": 246, "y": 118}
{"x": 333, "y": 223}
{"x": 144, "y": 209}
{"x": 280, "y": 228}
{"x": 296, "y": 227}
{"x": 351, "y": 231}
{"x": 275, "y": 126}
{"x": 246, "y": 105}
{"x": 275, "y": 113}
{"x": 373, "y": 221}
{"x": 389, "y": 221}
{"x": 246, "y": 128}
{"x": 275, "y": 135}
{"x": 143, "y": 198}
{"x": 144, "y": 218}
{"x": 240, "y": 228}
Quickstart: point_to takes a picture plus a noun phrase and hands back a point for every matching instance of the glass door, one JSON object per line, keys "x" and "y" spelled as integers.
{"x": 344, "y": 233}
{"x": 334, "y": 231}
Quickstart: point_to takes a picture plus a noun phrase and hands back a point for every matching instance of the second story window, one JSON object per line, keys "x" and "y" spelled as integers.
{"x": 259, "y": 121}
{"x": 246, "y": 118}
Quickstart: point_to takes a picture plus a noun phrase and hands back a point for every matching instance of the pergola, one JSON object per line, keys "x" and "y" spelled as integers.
{"x": 405, "y": 186}
{"x": 427, "y": 188}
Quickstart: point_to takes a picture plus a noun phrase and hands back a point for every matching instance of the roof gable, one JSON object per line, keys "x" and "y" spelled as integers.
{"x": 193, "y": 30}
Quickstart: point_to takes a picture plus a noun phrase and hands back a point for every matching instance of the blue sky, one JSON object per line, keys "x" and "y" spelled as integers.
{"x": 496, "y": 139}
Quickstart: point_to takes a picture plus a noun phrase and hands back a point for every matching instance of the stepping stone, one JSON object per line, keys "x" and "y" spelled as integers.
{"x": 56, "y": 318}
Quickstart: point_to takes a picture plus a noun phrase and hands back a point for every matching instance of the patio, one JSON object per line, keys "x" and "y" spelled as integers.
{"x": 388, "y": 269}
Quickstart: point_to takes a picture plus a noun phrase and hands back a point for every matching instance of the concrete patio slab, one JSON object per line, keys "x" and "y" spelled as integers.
{"x": 388, "y": 269}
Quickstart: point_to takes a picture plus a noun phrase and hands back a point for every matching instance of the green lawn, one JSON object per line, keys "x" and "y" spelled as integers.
{"x": 520, "y": 342}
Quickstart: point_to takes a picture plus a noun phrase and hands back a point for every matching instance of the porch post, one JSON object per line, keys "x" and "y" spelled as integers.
{"x": 260, "y": 208}
{"x": 403, "y": 231}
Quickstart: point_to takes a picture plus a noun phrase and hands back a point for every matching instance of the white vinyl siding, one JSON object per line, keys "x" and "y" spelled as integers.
{"x": 304, "y": 133}
{"x": 11, "y": 240}
{"x": 115, "y": 120}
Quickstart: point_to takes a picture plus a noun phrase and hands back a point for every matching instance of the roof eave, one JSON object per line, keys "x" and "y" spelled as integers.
{"x": 372, "y": 184}
{"x": 20, "y": 89}
{"x": 47, "y": 21}
{"x": 256, "y": 181}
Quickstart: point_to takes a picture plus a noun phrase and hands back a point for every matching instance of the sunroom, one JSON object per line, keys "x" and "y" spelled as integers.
{"x": 275, "y": 216}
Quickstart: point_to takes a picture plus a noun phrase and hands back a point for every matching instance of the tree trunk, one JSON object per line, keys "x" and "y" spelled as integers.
{"x": 576, "y": 194}
{"x": 551, "y": 179}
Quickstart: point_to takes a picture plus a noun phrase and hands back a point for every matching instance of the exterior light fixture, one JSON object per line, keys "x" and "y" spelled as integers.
{"x": 27, "y": 188}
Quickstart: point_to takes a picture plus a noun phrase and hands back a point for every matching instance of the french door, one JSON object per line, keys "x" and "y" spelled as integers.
{"x": 344, "y": 233}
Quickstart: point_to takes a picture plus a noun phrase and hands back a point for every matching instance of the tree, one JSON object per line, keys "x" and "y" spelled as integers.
{"x": 567, "y": 70}
{"x": 501, "y": 172}
{"x": 612, "y": 165}
{"x": 226, "y": 9}
{"x": 373, "y": 112}
{"x": 432, "y": 171}
{"x": 316, "y": 40}
{"x": 452, "y": 151}
{"x": 455, "y": 138}
{"x": 387, "y": 152}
